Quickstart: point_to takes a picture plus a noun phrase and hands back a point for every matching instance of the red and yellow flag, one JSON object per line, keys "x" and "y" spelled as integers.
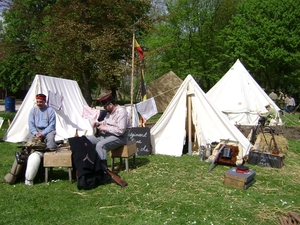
{"x": 143, "y": 86}
{"x": 139, "y": 49}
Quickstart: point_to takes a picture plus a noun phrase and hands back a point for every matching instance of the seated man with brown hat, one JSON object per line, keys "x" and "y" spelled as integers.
{"x": 112, "y": 132}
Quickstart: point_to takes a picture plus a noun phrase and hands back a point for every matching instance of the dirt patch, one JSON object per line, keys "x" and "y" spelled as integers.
{"x": 290, "y": 133}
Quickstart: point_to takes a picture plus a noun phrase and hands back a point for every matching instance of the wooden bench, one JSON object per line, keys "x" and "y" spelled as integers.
{"x": 125, "y": 151}
{"x": 59, "y": 158}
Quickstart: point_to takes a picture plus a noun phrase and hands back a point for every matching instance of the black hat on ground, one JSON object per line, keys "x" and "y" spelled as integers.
{"x": 105, "y": 100}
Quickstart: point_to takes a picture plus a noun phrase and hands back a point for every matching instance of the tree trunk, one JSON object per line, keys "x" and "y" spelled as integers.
{"x": 86, "y": 90}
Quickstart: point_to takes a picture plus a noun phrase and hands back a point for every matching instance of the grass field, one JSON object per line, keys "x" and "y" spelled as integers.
{"x": 161, "y": 190}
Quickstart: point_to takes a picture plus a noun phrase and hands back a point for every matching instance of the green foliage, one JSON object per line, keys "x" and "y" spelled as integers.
{"x": 264, "y": 36}
{"x": 205, "y": 38}
{"x": 88, "y": 41}
{"x": 19, "y": 43}
{"x": 185, "y": 41}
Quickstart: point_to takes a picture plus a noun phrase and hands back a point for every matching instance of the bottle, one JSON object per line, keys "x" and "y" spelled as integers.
{"x": 76, "y": 133}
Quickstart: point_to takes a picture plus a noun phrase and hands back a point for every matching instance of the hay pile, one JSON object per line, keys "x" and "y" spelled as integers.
{"x": 263, "y": 143}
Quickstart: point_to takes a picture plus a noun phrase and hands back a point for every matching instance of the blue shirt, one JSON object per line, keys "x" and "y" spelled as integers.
{"x": 42, "y": 119}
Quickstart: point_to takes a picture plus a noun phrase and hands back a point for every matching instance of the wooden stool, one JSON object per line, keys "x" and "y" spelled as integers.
{"x": 59, "y": 158}
{"x": 124, "y": 151}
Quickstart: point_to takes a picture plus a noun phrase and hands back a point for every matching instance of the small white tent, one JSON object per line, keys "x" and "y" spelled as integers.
{"x": 68, "y": 118}
{"x": 239, "y": 96}
{"x": 210, "y": 125}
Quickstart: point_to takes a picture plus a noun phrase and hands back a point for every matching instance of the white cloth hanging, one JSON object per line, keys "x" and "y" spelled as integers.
{"x": 147, "y": 108}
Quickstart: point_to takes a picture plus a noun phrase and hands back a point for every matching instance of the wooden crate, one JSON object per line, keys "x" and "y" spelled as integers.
{"x": 266, "y": 159}
{"x": 60, "y": 158}
{"x": 124, "y": 151}
{"x": 239, "y": 180}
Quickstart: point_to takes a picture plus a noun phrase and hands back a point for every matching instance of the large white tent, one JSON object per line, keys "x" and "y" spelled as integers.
{"x": 68, "y": 115}
{"x": 239, "y": 96}
{"x": 191, "y": 106}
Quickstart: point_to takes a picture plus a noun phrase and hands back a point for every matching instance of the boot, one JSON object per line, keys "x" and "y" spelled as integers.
{"x": 105, "y": 177}
{"x": 104, "y": 162}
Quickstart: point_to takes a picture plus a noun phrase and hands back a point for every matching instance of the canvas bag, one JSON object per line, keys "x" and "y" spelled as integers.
{"x": 16, "y": 171}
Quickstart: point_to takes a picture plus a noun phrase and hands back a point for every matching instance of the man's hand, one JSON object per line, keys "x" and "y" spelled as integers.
{"x": 96, "y": 124}
{"x": 39, "y": 135}
{"x": 102, "y": 127}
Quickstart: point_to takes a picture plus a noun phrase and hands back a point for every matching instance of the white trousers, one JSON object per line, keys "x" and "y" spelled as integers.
{"x": 33, "y": 164}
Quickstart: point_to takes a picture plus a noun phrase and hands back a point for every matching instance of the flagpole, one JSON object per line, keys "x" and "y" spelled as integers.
{"x": 189, "y": 121}
{"x": 141, "y": 88}
{"x": 132, "y": 74}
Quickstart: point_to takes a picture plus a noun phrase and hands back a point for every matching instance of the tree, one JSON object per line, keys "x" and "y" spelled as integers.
{"x": 88, "y": 40}
{"x": 17, "y": 45}
{"x": 264, "y": 35}
{"x": 185, "y": 41}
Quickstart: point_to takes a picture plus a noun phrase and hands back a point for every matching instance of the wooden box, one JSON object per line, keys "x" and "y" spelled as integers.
{"x": 266, "y": 159}
{"x": 124, "y": 151}
{"x": 239, "y": 180}
{"x": 59, "y": 158}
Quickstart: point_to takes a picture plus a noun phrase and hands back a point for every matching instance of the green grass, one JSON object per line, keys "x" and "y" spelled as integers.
{"x": 154, "y": 118}
{"x": 291, "y": 119}
{"x": 162, "y": 190}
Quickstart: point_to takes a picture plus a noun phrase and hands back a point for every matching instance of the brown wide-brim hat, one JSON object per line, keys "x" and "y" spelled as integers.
{"x": 105, "y": 100}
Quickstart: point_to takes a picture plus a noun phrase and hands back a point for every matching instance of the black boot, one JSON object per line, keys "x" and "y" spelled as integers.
{"x": 105, "y": 177}
{"x": 104, "y": 162}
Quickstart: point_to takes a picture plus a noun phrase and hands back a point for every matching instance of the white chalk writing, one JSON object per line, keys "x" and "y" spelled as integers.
{"x": 142, "y": 137}
{"x": 143, "y": 149}
{"x": 133, "y": 135}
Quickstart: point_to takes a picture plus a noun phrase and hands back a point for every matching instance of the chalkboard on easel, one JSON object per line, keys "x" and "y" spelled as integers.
{"x": 142, "y": 137}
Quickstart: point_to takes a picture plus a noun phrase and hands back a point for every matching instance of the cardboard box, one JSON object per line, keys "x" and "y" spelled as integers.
{"x": 266, "y": 159}
{"x": 239, "y": 180}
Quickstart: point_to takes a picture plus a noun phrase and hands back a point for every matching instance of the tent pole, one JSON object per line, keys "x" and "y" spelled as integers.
{"x": 132, "y": 73}
{"x": 189, "y": 122}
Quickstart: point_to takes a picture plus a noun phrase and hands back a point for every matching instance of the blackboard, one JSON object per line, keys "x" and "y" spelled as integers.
{"x": 142, "y": 137}
{"x": 266, "y": 159}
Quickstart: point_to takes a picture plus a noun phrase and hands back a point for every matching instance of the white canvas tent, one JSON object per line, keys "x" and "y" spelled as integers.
{"x": 239, "y": 96}
{"x": 210, "y": 125}
{"x": 68, "y": 118}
